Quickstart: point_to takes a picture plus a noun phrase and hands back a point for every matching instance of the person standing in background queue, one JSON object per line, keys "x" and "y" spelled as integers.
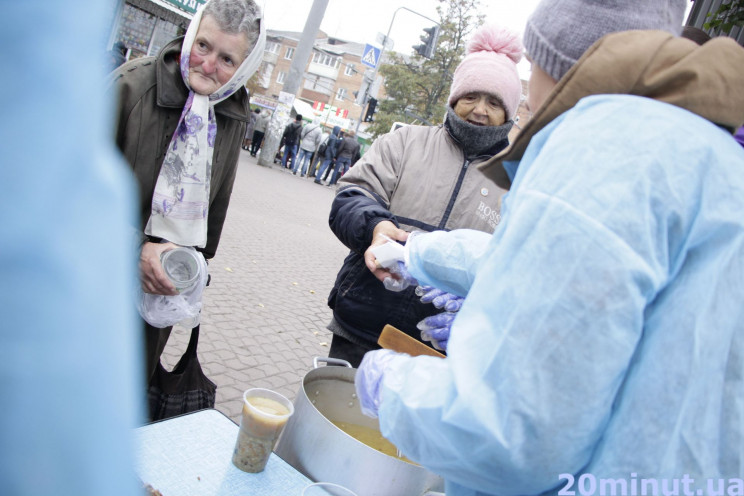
{"x": 180, "y": 116}
{"x": 117, "y": 55}
{"x": 309, "y": 142}
{"x": 317, "y": 158}
{"x": 601, "y": 337}
{"x": 290, "y": 138}
{"x": 330, "y": 153}
{"x": 346, "y": 152}
{"x": 259, "y": 131}
{"x": 70, "y": 359}
{"x": 249, "y": 129}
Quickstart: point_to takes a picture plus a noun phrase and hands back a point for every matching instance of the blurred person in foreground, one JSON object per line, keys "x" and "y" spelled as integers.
{"x": 69, "y": 346}
{"x": 420, "y": 178}
{"x": 601, "y": 338}
{"x": 181, "y": 118}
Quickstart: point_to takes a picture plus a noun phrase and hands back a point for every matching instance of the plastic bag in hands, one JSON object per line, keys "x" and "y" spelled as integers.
{"x": 164, "y": 311}
{"x": 439, "y": 298}
{"x": 436, "y": 328}
{"x": 368, "y": 381}
{"x": 403, "y": 281}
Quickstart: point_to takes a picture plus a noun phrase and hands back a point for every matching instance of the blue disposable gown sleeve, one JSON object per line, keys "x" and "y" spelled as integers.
{"x": 447, "y": 260}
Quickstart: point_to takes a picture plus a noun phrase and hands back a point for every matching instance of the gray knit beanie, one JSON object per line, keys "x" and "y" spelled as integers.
{"x": 559, "y": 31}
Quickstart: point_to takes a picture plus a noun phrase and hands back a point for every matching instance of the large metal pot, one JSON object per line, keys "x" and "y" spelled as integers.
{"x": 313, "y": 445}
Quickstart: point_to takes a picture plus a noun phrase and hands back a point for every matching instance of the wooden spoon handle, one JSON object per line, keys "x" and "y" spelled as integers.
{"x": 397, "y": 340}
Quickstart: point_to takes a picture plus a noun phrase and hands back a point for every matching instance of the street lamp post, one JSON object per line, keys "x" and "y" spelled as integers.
{"x": 281, "y": 114}
{"x": 382, "y": 50}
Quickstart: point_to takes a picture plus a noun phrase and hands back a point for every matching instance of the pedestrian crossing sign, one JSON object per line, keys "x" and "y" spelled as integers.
{"x": 371, "y": 56}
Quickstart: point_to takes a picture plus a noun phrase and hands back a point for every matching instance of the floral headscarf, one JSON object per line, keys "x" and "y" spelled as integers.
{"x": 180, "y": 204}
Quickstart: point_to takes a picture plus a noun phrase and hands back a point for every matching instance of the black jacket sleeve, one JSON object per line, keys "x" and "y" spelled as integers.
{"x": 354, "y": 216}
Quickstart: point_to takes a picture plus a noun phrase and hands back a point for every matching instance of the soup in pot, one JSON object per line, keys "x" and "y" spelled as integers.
{"x": 372, "y": 438}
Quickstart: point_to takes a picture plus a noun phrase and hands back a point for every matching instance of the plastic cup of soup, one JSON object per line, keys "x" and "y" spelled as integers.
{"x": 265, "y": 413}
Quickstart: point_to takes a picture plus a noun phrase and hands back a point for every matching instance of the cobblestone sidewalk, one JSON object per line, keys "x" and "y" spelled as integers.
{"x": 265, "y": 310}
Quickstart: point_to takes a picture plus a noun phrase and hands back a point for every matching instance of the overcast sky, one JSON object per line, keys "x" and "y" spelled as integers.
{"x": 360, "y": 21}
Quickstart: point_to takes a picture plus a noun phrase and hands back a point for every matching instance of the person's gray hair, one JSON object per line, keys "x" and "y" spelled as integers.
{"x": 236, "y": 16}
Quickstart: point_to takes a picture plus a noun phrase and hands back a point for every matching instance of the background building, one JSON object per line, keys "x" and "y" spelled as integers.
{"x": 145, "y": 26}
{"x": 332, "y": 84}
{"x": 334, "y": 77}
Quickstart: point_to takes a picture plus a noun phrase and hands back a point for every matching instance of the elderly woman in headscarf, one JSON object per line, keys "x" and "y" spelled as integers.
{"x": 181, "y": 118}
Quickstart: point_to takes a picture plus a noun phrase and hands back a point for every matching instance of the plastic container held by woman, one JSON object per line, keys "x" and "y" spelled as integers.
{"x": 181, "y": 265}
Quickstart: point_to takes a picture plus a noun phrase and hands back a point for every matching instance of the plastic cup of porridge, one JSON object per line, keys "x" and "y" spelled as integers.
{"x": 265, "y": 413}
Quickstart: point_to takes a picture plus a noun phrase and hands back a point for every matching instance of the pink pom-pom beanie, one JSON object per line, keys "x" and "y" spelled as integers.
{"x": 490, "y": 66}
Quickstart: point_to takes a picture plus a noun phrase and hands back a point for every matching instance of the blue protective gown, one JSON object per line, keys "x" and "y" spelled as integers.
{"x": 603, "y": 330}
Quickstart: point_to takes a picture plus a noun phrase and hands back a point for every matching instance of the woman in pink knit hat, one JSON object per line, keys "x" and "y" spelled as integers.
{"x": 421, "y": 178}
{"x": 486, "y": 90}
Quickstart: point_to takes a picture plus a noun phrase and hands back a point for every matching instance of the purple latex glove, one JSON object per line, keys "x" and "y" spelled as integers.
{"x": 403, "y": 279}
{"x": 436, "y": 329}
{"x": 368, "y": 382}
{"x": 439, "y": 298}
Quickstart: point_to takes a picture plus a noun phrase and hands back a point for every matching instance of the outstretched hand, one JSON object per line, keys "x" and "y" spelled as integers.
{"x": 368, "y": 379}
{"x": 382, "y": 230}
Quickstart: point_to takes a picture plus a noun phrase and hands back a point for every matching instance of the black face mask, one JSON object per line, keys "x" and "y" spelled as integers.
{"x": 477, "y": 140}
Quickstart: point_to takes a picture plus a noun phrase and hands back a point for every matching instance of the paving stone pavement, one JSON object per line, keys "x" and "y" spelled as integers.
{"x": 265, "y": 310}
